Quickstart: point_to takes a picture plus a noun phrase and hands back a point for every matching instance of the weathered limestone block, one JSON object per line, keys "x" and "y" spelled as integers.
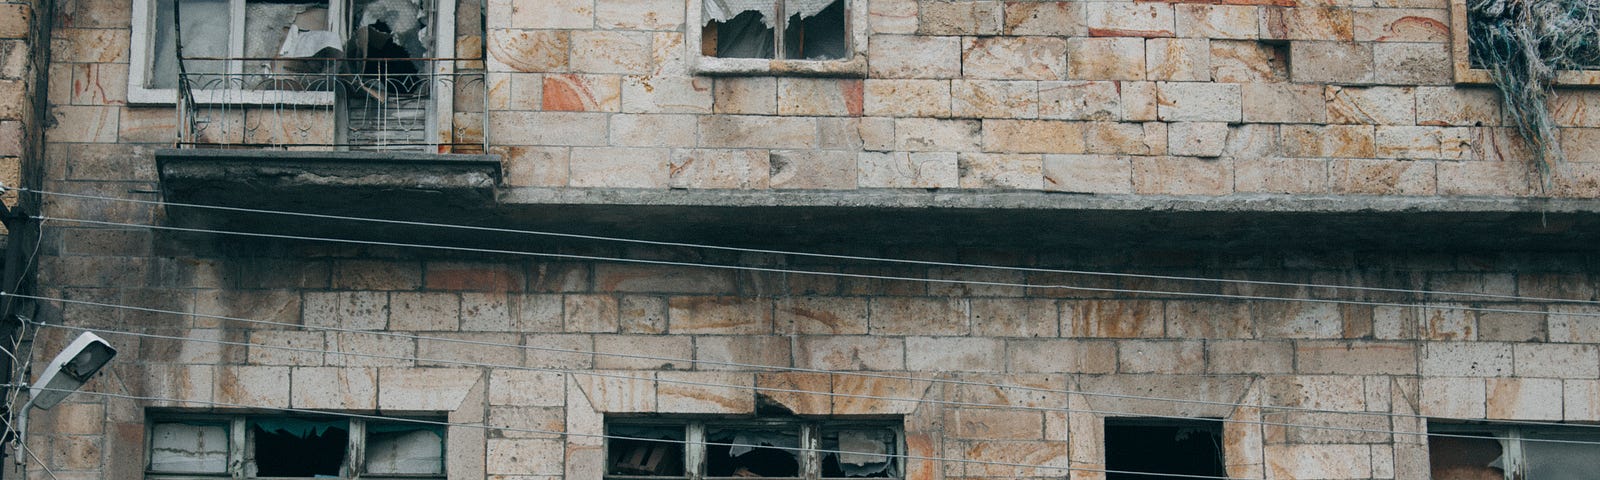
{"x": 1338, "y": 141}
{"x": 88, "y": 124}
{"x": 1033, "y": 136}
{"x": 692, "y": 392}
{"x": 617, "y": 392}
{"x": 1079, "y": 100}
{"x": 528, "y": 50}
{"x": 1178, "y": 59}
{"x": 892, "y": 396}
{"x": 250, "y": 386}
{"x": 745, "y": 95}
{"x": 630, "y": 130}
{"x": 1281, "y": 175}
{"x": 334, "y": 388}
{"x": 1371, "y": 106}
{"x": 298, "y": 348}
{"x": 1570, "y": 361}
{"x": 1411, "y": 63}
{"x": 89, "y": 45}
{"x": 908, "y": 170}
{"x": 738, "y": 352}
{"x": 918, "y": 316}
{"x": 582, "y": 93}
{"x": 1524, "y": 398}
{"x": 1308, "y": 23}
{"x": 1488, "y": 178}
{"x": 1580, "y": 400}
{"x": 1088, "y": 174}
{"x": 599, "y": 51}
{"x": 527, "y": 388}
{"x": 1356, "y": 358}
{"x": 18, "y": 18}
{"x": 1161, "y": 356}
{"x": 988, "y": 170}
{"x": 619, "y": 167}
{"x": 1249, "y": 356}
{"x": 1238, "y": 61}
{"x": 1332, "y": 62}
{"x": 892, "y": 16}
{"x": 177, "y": 385}
{"x": 915, "y": 56}
{"x": 1197, "y": 139}
{"x": 994, "y": 99}
{"x": 351, "y": 310}
{"x": 1061, "y": 356}
{"x": 960, "y": 17}
{"x": 1127, "y": 19}
{"x": 552, "y": 351}
{"x": 1450, "y": 106}
{"x": 1113, "y": 58}
{"x": 802, "y": 393}
{"x": 748, "y": 131}
{"x": 1062, "y": 19}
{"x": 997, "y": 424}
{"x": 1284, "y": 103}
{"x": 1318, "y": 461}
{"x": 1112, "y": 318}
{"x": 937, "y": 135}
{"x": 1149, "y": 138}
{"x": 1428, "y": 25}
{"x": 720, "y": 315}
{"x": 639, "y": 14}
{"x": 1467, "y": 359}
{"x": 1382, "y": 177}
{"x": 658, "y": 94}
{"x": 850, "y": 353}
{"x": 907, "y": 98}
{"x": 1297, "y": 320}
{"x": 725, "y": 169}
{"x": 630, "y": 352}
{"x": 424, "y": 389}
{"x": 961, "y": 354}
{"x": 812, "y": 169}
{"x": 1199, "y": 102}
{"x": 1198, "y": 20}
{"x": 424, "y": 311}
{"x": 1014, "y": 58}
{"x": 468, "y": 349}
{"x": 1140, "y": 101}
{"x": 1208, "y": 319}
{"x": 822, "y": 315}
{"x": 819, "y": 97}
{"x": 1015, "y": 317}
{"x": 549, "y": 128}
{"x": 1182, "y": 176}
{"x": 524, "y": 456}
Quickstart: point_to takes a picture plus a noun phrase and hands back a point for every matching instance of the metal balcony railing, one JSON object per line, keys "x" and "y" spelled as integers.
{"x": 401, "y": 104}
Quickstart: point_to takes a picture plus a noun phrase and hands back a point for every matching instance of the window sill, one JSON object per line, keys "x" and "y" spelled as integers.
{"x": 1462, "y": 61}
{"x": 139, "y": 96}
{"x": 855, "y": 67}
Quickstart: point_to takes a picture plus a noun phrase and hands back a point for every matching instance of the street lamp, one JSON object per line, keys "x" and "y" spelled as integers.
{"x": 71, "y": 368}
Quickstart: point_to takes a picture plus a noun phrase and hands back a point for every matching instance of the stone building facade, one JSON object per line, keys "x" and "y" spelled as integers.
{"x": 1296, "y": 228}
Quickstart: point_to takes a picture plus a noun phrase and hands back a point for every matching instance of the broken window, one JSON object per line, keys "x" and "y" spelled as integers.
{"x": 1508, "y": 452}
{"x": 1188, "y": 447}
{"x": 783, "y": 448}
{"x": 810, "y": 29}
{"x": 265, "y": 446}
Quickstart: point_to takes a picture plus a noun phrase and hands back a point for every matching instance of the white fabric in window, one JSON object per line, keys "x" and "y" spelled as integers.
{"x": 723, "y": 10}
{"x": 419, "y": 451}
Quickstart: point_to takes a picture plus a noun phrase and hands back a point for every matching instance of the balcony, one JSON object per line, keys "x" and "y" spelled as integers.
{"x": 331, "y": 104}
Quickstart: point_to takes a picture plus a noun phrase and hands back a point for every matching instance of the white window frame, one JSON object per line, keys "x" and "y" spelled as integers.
{"x": 142, "y": 46}
{"x": 241, "y": 442}
{"x": 854, "y": 64}
{"x": 810, "y": 431}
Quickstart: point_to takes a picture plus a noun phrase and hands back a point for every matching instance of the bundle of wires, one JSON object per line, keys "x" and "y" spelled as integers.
{"x": 1524, "y": 44}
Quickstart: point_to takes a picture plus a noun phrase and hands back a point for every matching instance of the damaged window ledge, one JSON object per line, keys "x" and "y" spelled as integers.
{"x": 855, "y": 67}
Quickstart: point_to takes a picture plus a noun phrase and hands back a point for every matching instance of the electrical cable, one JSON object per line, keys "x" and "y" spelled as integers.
{"x": 757, "y": 388}
{"x": 419, "y": 338}
{"x": 819, "y": 255}
{"x": 569, "y": 256}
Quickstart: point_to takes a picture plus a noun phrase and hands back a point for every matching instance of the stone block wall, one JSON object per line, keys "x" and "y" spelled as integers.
{"x": 540, "y": 352}
{"x": 1161, "y": 98}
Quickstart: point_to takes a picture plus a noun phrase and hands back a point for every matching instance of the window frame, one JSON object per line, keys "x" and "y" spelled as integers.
{"x": 854, "y": 64}
{"x": 810, "y": 438}
{"x": 1461, "y": 58}
{"x": 142, "y": 52}
{"x": 241, "y": 439}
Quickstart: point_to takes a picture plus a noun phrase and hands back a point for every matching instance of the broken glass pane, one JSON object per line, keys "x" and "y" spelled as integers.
{"x": 1561, "y": 461}
{"x": 267, "y": 26}
{"x": 739, "y": 451}
{"x": 865, "y": 452}
{"x": 1459, "y": 458}
{"x": 399, "y": 448}
{"x": 630, "y": 450}
{"x": 291, "y": 447}
{"x": 815, "y": 30}
{"x": 205, "y": 32}
{"x": 746, "y": 35}
{"x": 189, "y": 448}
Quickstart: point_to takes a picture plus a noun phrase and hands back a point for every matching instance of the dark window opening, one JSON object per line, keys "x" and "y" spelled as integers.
{"x": 819, "y": 37}
{"x": 743, "y": 36}
{"x": 730, "y": 452}
{"x": 289, "y": 448}
{"x": 633, "y": 450}
{"x": 1184, "y": 447}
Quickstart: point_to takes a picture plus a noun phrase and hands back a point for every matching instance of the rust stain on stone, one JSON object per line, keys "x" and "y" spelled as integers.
{"x": 1407, "y": 27}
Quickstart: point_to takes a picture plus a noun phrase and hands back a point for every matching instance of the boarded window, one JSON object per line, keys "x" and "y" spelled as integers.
{"x": 178, "y": 447}
{"x": 404, "y": 449}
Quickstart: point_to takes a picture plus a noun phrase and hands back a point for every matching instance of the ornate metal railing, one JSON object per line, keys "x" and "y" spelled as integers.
{"x": 411, "y": 104}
